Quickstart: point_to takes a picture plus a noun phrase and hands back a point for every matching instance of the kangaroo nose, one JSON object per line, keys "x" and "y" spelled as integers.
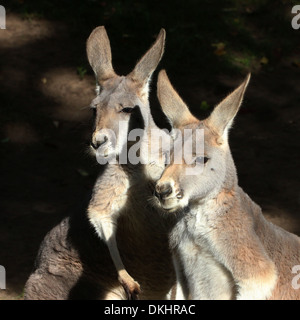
{"x": 162, "y": 191}
{"x": 99, "y": 142}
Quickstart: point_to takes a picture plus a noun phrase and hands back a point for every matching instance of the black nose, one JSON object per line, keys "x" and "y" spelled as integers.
{"x": 162, "y": 191}
{"x": 98, "y": 143}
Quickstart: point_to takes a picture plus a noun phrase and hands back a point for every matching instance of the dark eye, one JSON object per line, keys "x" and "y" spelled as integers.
{"x": 94, "y": 110}
{"x": 127, "y": 110}
{"x": 201, "y": 159}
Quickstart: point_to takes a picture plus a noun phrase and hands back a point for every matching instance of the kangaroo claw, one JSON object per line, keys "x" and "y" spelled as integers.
{"x": 132, "y": 289}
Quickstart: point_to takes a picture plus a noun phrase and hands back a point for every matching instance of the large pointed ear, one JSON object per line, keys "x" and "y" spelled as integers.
{"x": 222, "y": 116}
{"x": 148, "y": 63}
{"x": 172, "y": 105}
{"x": 99, "y": 54}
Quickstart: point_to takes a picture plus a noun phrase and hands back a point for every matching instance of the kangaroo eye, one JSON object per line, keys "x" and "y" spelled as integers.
{"x": 127, "y": 110}
{"x": 201, "y": 159}
{"x": 94, "y": 110}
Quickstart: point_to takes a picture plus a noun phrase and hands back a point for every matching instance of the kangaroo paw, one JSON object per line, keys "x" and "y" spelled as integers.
{"x": 131, "y": 287}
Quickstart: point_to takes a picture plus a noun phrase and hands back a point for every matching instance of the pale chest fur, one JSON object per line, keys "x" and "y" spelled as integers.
{"x": 194, "y": 227}
{"x": 207, "y": 278}
{"x": 110, "y": 193}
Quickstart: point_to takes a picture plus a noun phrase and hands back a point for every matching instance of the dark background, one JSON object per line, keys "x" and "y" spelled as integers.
{"x": 46, "y": 86}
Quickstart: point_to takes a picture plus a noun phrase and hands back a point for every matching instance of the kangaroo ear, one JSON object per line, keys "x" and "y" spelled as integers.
{"x": 99, "y": 54}
{"x": 172, "y": 105}
{"x": 148, "y": 63}
{"x": 222, "y": 116}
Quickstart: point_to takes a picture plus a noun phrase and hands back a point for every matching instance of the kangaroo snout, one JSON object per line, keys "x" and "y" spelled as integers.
{"x": 99, "y": 141}
{"x": 163, "y": 190}
{"x": 169, "y": 196}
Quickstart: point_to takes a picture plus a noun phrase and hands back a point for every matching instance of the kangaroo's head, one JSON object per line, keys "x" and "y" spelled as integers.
{"x": 201, "y": 172}
{"x": 120, "y": 96}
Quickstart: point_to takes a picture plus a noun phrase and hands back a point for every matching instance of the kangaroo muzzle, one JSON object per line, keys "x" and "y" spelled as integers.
{"x": 99, "y": 141}
{"x": 163, "y": 191}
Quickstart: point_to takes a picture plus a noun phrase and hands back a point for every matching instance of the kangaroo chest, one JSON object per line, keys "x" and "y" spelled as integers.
{"x": 206, "y": 276}
{"x": 193, "y": 227}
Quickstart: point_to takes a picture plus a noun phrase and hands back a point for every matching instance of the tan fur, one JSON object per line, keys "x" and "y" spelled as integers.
{"x": 99, "y": 54}
{"x": 148, "y": 63}
{"x": 171, "y": 101}
{"x": 135, "y": 234}
{"x": 222, "y": 244}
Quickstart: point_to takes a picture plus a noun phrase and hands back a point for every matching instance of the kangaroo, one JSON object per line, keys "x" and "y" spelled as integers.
{"x": 222, "y": 246}
{"x": 118, "y": 98}
{"x": 138, "y": 262}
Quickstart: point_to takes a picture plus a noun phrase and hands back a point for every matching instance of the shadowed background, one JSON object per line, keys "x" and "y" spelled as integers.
{"x": 46, "y": 86}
